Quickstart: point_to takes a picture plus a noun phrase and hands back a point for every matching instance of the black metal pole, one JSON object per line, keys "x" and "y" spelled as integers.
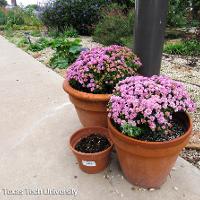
{"x": 150, "y": 23}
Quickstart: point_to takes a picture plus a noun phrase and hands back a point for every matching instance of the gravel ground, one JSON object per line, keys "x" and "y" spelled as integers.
{"x": 192, "y": 156}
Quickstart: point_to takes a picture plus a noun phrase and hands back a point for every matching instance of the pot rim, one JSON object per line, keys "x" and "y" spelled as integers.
{"x": 128, "y": 139}
{"x": 84, "y": 95}
{"x": 89, "y": 154}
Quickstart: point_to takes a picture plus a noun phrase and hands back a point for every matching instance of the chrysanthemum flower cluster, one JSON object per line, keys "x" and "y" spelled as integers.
{"x": 148, "y": 102}
{"x": 99, "y": 69}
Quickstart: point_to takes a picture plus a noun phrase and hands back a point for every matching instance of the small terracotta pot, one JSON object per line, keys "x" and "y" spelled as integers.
{"x": 91, "y": 163}
{"x": 91, "y": 108}
{"x": 147, "y": 164}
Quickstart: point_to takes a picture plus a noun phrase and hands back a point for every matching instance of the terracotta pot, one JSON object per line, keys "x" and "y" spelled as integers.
{"x": 91, "y": 163}
{"x": 91, "y": 108}
{"x": 147, "y": 164}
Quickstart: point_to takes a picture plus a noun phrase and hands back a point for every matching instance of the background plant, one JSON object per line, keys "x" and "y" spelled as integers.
{"x": 66, "y": 53}
{"x": 115, "y": 27}
{"x": 39, "y": 45}
{"x": 23, "y": 42}
{"x": 189, "y": 46}
{"x": 17, "y": 18}
{"x": 35, "y": 33}
{"x": 185, "y": 48}
{"x": 80, "y": 14}
{"x": 68, "y": 32}
{"x": 183, "y": 12}
{"x": 129, "y": 4}
{"x": 3, "y": 3}
{"x": 2, "y": 17}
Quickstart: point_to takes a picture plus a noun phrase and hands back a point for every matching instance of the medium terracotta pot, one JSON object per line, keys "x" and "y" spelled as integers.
{"x": 147, "y": 164}
{"x": 91, "y": 108}
{"x": 91, "y": 163}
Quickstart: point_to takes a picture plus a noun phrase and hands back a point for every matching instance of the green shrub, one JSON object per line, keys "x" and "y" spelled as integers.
{"x": 22, "y": 43}
{"x": 115, "y": 27}
{"x": 30, "y": 18}
{"x": 127, "y": 41}
{"x": 20, "y": 17}
{"x": 39, "y": 45}
{"x": 66, "y": 53}
{"x": 2, "y": 18}
{"x": 15, "y": 16}
{"x": 35, "y": 33}
{"x": 80, "y": 14}
{"x": 58, "y": 62}
{"x": 9, "y": 33}
{"x": 3, "y": 3}
{"x": 68, "y": 32}
{"x": 32, "y": 7}
{"x": 53, "y": 33}
{"x": 186, "y": 48}
{"x": 183, "y": 13}
{"x": 127, "y": 3}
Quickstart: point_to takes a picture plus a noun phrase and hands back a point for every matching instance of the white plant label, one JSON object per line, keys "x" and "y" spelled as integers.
{"x": 89, "y": 163}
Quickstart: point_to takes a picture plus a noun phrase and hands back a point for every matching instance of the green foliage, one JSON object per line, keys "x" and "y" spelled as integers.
{"x": 32, "y": 7}
{"x": 115, "y": 27}
{"x": 58, "y": 62}
{"x": 130, "y": 130}
{"x": 66, "y": 53}
{"x": 128, "y": 3}
{"x": 127, "y": 41}
{"x": 53, "y": 33}
{"x": 29, "y": 17}
{"x": 177, "y": 13}
{"x": 39, "y": 45}
{"x": 183, "y": 12}
{"x": 18, "y": 17}
{"x": 82, "y": 15}
{"x": 3, "y": 3}
{"x": 68, "y": 32}
{"x": 9, "y": 32}
{"x": 186, "y": 48}
{"x": 15, "y": 16}
{"x": 2, "y": 17}
{"x": 35, "y": 33}
{"x": 22, "y": 43}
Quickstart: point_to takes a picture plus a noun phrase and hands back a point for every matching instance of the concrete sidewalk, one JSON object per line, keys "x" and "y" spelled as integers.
{"x": 36, "y": 120}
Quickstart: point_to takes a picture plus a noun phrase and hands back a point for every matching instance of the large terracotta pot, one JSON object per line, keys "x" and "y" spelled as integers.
{"x": 147, "y": 164}
{"x": 91, "y": 108}
{"x": 91, "y": 162}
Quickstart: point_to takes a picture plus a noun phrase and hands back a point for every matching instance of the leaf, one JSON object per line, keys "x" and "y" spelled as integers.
{"x": 130, "y": 130}
{"x": 74, "y": 49}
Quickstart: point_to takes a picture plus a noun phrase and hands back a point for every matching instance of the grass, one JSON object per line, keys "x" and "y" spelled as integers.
{"x": 184, "y": 48}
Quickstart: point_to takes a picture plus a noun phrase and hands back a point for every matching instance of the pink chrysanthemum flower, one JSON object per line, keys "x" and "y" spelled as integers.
{"x": 147, "y": 101}
{"x": 99, "y": 69}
